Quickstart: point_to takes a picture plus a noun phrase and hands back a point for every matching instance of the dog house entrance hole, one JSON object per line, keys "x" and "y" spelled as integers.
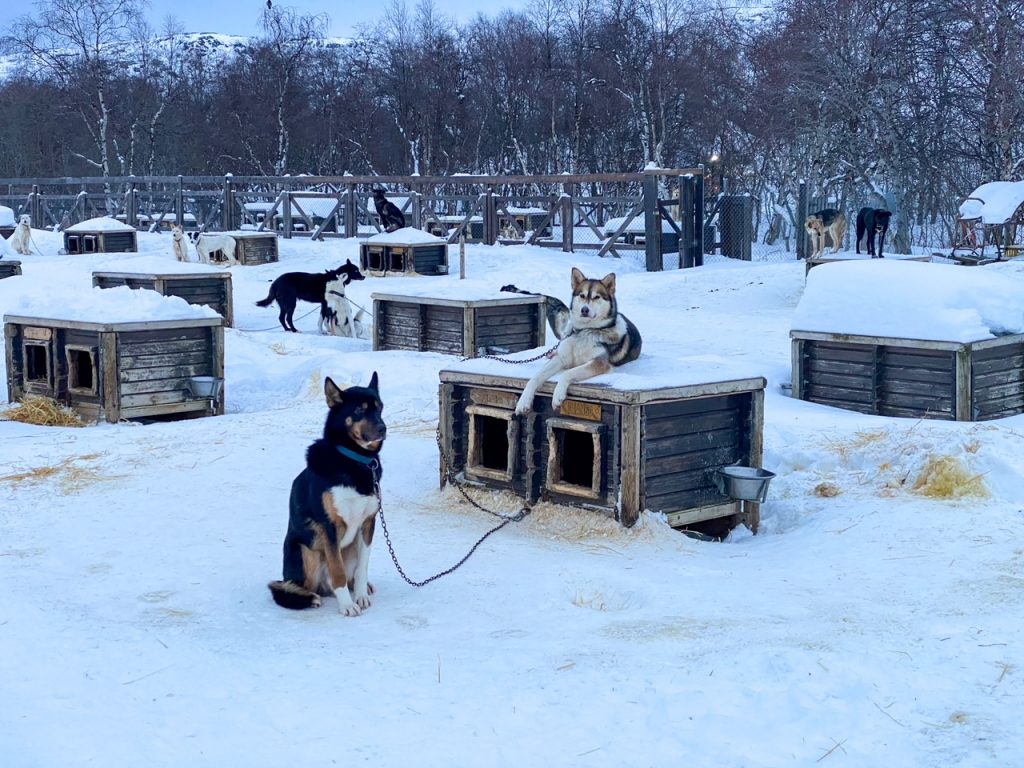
{"x": 396, "y": 262}
{"x": 492, "y": 441}
{"x": 574, "y": 457}
{"x": 375, "y": 259}
{"x": 81, "y": 369}
{"x": 37, "y": 363}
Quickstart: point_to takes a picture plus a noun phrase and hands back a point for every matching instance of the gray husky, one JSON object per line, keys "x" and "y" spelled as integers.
{"x": 594, "y": 337}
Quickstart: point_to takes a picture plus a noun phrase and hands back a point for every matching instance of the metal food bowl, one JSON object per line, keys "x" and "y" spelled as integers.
{"x": 206, "y": 387}
{"x": 744, "y": 483}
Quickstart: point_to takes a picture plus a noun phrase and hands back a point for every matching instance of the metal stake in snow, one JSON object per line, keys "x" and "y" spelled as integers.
{"x": 462, "y": 256}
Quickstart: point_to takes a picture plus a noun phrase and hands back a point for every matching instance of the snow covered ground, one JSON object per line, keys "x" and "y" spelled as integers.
{"x": 873, "y": 621}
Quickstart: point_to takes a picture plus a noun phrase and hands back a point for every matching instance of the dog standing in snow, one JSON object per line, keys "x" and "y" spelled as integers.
{"x": 22, "y": 236}
{"x": 209, "y": 243}
{"x": 338, "y": 317}
{"x": 180, "y": 243}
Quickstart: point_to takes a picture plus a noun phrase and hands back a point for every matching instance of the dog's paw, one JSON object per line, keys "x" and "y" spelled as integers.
{"x": 523, "y": 408}
{"x": 315, "y": 602}
{"x": 349, "y": 609}
{"x": 370, "y": 589}
{"x": 363, "y": 601}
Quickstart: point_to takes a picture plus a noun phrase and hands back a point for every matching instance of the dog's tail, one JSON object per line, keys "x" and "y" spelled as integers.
{"x": 288, "y": 594}
{"x": 270, "y": 298}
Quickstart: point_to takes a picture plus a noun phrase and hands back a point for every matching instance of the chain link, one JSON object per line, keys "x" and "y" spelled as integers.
{"x": 450, "y": 477}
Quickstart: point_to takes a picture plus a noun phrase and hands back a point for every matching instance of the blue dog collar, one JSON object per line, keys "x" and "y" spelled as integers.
{"x": 349, "y": 453}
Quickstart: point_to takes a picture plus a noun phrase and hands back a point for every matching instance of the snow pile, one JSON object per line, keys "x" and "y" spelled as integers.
{"x": 911, "y": 300}
{"x": 99, "y": 305}
{"x": 100, "y": 224}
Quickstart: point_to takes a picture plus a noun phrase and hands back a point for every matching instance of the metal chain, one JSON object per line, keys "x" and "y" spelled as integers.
{"x": 451, "y": 478}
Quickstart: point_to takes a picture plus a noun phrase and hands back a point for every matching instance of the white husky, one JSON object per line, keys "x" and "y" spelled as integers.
{"x": 209, "y": 243}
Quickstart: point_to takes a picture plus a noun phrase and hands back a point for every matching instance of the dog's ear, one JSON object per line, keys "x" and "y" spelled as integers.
{"x": 373, "y": 383}
{"x": 608, "y": 281}
{"x": 332, "y": 393}
{"x": 577, "y": 278}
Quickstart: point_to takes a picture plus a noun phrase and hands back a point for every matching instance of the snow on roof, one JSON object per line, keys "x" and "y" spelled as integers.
{"x": 104, "y": 305}
{"x": 313, "y": 206}
{"x": 6, "y": 216}
{"x": 635, "y": 227}
{"x": 912, "y": 300}
{"x": 994, "y": 202}
{"x": 160, "y": 265}
{"x": 648, "y": 372}
{"x": 100, "y": 224}
{"x": 513, "y": 211}
{"x": 405, "y": 236}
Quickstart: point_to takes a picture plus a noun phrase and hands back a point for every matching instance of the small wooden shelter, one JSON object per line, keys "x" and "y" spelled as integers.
{"x": 195, "y": 283}
{"x": 109, "y": 367}
{"x": 253, "y": 247}
{"x": 7, "y": 222}
{"x": 989, "y": 220}
{"x": 9, "y": 268}
{"x": 103, "y": 234}
{"x": 612, "y": 447}
{"x": 496, "y": 324}
{"x": 405, "y": 251}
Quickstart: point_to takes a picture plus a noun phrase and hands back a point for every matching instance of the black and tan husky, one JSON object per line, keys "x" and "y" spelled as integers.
{"x": 594, "y": 337}
{"x": 333, "y": 506}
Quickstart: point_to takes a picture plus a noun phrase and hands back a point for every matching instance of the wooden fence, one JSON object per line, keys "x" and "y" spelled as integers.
{"x": 657, "y": 211}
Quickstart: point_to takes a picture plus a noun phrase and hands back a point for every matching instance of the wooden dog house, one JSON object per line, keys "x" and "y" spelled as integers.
{"x": 9, "y": 268}
{"x": 7, "y": 222}
{"x": 253, "y": 248}
{"x": 526, "y": 219}
{"x": 495, "y": 324}
{"x": 404, "y": 251}
{"x": 612, "y": 447}
{"x": 201, "y": 285}
{"x": 100, "y": 235}
{"x": 941, "y": 362}
{"x": 114, "y": 369}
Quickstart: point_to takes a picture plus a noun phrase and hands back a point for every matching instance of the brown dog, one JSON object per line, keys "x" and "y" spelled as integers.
{"x": 826, "y": 221}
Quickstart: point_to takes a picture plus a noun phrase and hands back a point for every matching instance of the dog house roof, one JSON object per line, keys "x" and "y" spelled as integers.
{"x": 646, "y": 379}
{"x": 100, "y": 224}
{"x": 157, "y": 265}
{"x": 69, "y": 302}
{"x": 6, "y": 217}
{"x": 995, "y": 202}
{"x": 911, "y": 300}
{"x": 405, "y": 236}
{"x": 635, "y": 227}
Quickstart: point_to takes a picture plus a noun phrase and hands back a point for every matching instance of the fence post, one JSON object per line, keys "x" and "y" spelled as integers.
{"x": 350, "y": 211}
{"x": 801, "y": 217}
{"x": 179, "y": 203}
{"x": 686, "y": 221}
{"x": 131, "y": 205}
{"x": 652, "y": 222}
{"x": 698, "y": 220}
{"x": 417, "y": 209}
{"x": 490, "y": 217}
{"x": 35, "y": 207}
{"x": 568, "y": 219}
{"x": 286, "y": 214}
{"x": 227, "y": 218}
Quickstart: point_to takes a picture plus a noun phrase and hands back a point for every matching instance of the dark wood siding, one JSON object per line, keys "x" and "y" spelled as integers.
{"x": 118, "y": 242}
{"x": 155, "y": 365}
{"x": 213, "y": 292}
{"x": 428, "y": 258}
{"x": 399, "y": 325}
{"x": 256, "y": 248}
{"x": 916, "y": 382}
{"x": 441, "y": 329}
{"x": 510, "y": 328}
{"x": 685, "y": 441}
{"x": 997, "y": 381}
{"x": 9, "y": 268}
{"x": 841, "y": 375}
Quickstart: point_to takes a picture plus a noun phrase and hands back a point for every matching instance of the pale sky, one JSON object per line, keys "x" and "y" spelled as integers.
{"x": 241, "y": 17}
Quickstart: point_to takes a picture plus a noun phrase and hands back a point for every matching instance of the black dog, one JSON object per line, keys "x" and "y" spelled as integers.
{"x": 873, "y": 221}
{"x": 292, "y": 287}
{"x": 391, "y": 218}
{"x": 333, "y": 506}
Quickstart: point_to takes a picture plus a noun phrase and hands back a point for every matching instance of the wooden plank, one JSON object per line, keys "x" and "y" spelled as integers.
{"x": 171, "y": 372}
{"x": 700, "y": 459}
{"x": 923, "y": 403}
{"x": 846, "y": 368}
{"x": 837, "y": 352}
{"x": 922, "y": 388}
{"x": 914, "y": 413}
{"x": 695, "y": 405}
{"x": 632, "y": 466}
{"x": 698, "y": 424}
{"x": 160, "y": 360}
{"x": 108, "y": 371}
{"x": 906, "y": 358}
{"x": 842, "y": 381}
{"x": 687, "y": 499}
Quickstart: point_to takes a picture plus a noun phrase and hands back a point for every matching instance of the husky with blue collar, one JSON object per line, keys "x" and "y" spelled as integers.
{"x": 333, "y": 506}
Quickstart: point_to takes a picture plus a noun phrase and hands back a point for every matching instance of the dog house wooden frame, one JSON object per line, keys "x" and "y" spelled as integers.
{"x": 611, "y": 450}
{"x": 9, "y": 268}
{"x": 100, "y": 235}
{"x": 211, "y": 289}
{"x": 963, "y": 381}
{"x": 467, "y": 327}
{"x": 398, "y": 252}
{"x": 252, "y": 248}
{"x": 115, "y": 371}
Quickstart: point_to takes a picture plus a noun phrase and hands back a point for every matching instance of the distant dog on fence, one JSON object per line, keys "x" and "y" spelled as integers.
{"x": 291, "y": 287}
{"x": 180, "y": 243}
{"x": 391, "y": 217}
{"x": 826, "y": 221}
{"x": 209, "y": 243}
{"x": 22, "y": 237}
{"x": 872, "y": 222}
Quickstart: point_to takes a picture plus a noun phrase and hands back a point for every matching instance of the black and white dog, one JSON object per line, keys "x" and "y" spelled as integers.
{"x": 871, "y": 222}
{"x": 391, "y": 217}
{"x": 339, "y": 319}
{"x": 292, "y": 287}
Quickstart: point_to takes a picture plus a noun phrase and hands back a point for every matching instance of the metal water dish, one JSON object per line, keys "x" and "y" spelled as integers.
{"x": 206, "y": 387}
{"x": 744, "y": 483}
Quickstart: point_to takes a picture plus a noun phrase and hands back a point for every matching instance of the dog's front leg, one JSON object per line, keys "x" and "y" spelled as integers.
{"x": 525, "y": 403}
{"x": 361, "y": 589}
{"x": 586, "y": 371}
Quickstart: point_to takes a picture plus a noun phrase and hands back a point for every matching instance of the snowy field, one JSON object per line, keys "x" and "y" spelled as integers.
{"x": 875, "y": 619}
